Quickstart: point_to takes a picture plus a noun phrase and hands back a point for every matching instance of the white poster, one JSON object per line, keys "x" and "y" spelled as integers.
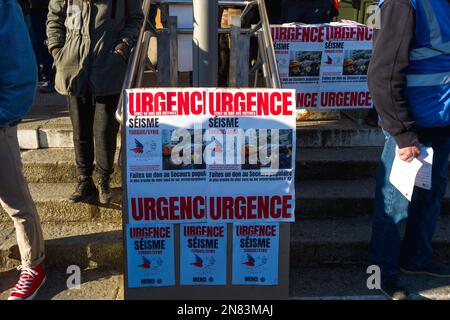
{"x": 150, "y": 250}
{"x": 203, "y": 254}
{"x": 326, "y": 63}
{"x": 255, "y": 254}
{"x": 210, "y": 155}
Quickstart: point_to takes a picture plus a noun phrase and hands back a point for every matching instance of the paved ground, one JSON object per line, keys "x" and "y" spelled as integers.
{"x": 338, "y": 282}
{"x": 95, "y": 285}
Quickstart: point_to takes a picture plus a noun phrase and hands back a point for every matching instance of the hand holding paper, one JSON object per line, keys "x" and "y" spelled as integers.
{"x": 405, "y": 175}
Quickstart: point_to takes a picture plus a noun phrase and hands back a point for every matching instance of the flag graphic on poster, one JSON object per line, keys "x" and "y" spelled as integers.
{"x": 150, "y": 249}
{"x": 203, "y": 254}
{"x": 255, "y": 254}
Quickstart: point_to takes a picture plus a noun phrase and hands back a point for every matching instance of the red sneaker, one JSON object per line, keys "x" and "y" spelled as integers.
{"x": 30, "y": 281}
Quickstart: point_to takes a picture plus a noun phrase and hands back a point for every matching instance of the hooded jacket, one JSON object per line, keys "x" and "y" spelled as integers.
{"x": 87, "y": 31}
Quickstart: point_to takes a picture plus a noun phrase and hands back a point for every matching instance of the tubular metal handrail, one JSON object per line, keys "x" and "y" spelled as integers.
{"x": 268, "y": 45}
{"x": 223, "y": 3}
{"x": 262, "y": 31}
{"x": 133, "y": 62}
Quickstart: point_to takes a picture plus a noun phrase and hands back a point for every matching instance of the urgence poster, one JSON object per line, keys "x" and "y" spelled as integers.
{"x": 210, "y": 155}
{"x": 255, "y": 254}
{"x": 203, "y": 254}
{"x": 327, "y": 64}
{"x": 150, "y": 250}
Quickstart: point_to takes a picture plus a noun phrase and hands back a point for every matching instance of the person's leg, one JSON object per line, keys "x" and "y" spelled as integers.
{"x": 390, "y": 207}
{"x": 424, "y": 212}
{"x": 105, "y": 133}
{"x": 15, "y": 198}
{"x": 82, "y": 112}
{"x": 292, "y": 11}
{"x": 316, "y": 11}
{"x": 38, "y": 22}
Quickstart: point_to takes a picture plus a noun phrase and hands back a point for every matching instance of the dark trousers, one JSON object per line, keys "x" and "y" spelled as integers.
{"x": 94, "y": 123}
{"x": 38, "y": 18}
{"x": 306, "y": 11}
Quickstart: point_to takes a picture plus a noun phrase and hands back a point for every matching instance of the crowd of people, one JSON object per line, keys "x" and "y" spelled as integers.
{"x": 54, "y": 41}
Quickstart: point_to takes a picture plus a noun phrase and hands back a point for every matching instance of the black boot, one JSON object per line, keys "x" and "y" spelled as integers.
{"x": 105, "y": 194}
{"x": 85, "y": 190}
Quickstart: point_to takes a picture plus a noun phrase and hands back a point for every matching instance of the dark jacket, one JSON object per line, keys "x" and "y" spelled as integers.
{"x": 18, "y": 71}
{"x": 387, "y": 74}
{"x": 387, "y": 70}
{"x": 87, "y": 32}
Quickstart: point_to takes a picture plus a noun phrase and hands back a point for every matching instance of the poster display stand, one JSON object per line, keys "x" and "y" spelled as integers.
{"x": 209, "y": 193}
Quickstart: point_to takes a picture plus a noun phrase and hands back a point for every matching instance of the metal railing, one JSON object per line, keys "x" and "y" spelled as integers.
{"x": 167, "y": 42}
{"x": 136, "y": 55}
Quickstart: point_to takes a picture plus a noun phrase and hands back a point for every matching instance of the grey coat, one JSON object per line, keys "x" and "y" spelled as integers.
{"x": 87, "y": 32}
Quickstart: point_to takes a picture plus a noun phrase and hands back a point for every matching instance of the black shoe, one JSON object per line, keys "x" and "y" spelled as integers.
{"x": 435, "y": 269}
{"x": 85, "y": 190}
{"x": 105, "y": 194}
{"x": 392, "y": 290}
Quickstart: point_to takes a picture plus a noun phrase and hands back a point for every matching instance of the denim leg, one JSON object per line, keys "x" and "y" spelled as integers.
{"x": 390, "y": 207}
{"x": 424, "y": 210}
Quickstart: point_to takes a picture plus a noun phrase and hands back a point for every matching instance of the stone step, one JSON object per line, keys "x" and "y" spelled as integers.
{"x": 348, "y": 163}
{"x": 346, "y": 241}
{"x": 340, "y": 198}
{"x": 53, "y": 206}
{"x": 349, "y": 282}
{"x": 317, "y": 282}
{"x": 320, "y": 282}
{"x": 337, "y": 163}
{"x": 325, "y": 241}
{"x": 54, "y": 165}
{"x": 94, "y": 244}
{"x": 47, "y": 125}
{"x": 96, "y": 284}
{"x": 337, "y": 134}
{"x": 314, "y": 200}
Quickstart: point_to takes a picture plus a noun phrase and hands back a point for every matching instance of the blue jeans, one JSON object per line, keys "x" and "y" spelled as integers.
{"x": 422, "y": 212}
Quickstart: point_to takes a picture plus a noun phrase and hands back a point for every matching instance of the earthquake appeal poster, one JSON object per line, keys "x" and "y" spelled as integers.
{"x": 150, "y": 250}
{"x": 199, "y": 155}
{"x": 255, "y": 254}
{"x": 203, "y": 254}
{"x": 326, "y": 63}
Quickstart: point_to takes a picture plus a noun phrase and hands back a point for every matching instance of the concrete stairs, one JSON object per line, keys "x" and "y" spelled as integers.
{"x": 336, "y": 164}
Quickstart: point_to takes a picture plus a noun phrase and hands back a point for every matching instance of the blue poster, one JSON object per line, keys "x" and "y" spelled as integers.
{"x": 203, "y": 254}
{"x": 255, "y": 254}
{"x": 150, "y": 249}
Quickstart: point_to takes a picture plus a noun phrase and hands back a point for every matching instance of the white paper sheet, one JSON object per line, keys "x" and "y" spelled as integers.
{"x": 403, "y": 175}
